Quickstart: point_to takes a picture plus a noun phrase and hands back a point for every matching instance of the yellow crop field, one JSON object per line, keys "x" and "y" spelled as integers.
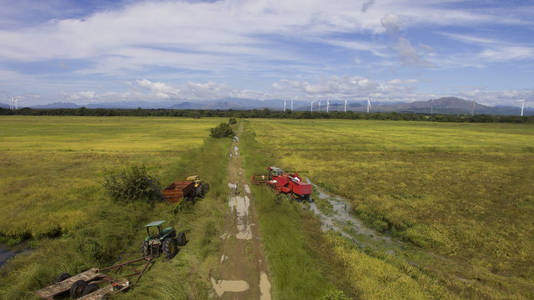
{"x": 53, "y": 203}
{"x": 459, "y": 196}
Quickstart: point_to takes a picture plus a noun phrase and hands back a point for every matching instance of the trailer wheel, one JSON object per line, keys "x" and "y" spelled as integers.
{"x": 89, "y": 289}
{"x": 205, "y": 189}
{"x": 169, "y": 248}
{"x": 62, "y": 277}
{"x": 145, "y": 249}
{"x": 182, "y": 239}
{"x": 76, "y": 290}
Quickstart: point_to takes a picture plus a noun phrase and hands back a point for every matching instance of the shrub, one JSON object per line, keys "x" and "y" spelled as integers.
{"x": 132, "y": 184}
{"x": 222, "y": 130}
{"x": 232, "y": 121}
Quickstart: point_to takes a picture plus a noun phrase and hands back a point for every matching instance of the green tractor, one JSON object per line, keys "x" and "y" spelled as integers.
{"x": 162, "y": 241}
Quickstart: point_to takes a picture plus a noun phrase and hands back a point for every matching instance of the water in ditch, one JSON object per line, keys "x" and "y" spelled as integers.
{"x": 338, "y": 218}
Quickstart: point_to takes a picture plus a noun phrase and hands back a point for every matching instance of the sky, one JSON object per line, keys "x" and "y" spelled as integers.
{"x": 390, "y": 50}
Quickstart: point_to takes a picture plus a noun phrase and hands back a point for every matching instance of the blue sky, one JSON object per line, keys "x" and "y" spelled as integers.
{"x": 402, "y": 50}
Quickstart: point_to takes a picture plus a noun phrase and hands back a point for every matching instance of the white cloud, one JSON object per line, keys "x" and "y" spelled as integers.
{"x": 493, "y": 50}
{"x": 224, "y": 28}
{"x": 345, "y": 87}
{"x": 83, "y": 95}
{"x": 507, "y": 53}
{"x": 511, "y": 97}
{"x": 409, "y": 56}
{"x": 159, "y": 89}
{"x": 391, "y": 23}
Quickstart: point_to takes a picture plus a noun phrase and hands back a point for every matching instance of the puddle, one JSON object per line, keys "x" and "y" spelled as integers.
{"x": 340, "y": 220}
{"x": 222, "y": 286}
{"x": 265, "y": 287}
{"x": 240, "y": 205}
{"x": 236, "y": 151}
{"x": 7, "y": 252}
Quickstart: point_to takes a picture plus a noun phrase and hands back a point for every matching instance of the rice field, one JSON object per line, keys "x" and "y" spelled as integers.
{"x": 460, "y": 195}
{"x": 52, "y": 201}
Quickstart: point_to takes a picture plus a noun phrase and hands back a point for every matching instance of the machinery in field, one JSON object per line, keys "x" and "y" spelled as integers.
{"x": 95, "y": 283}
{"x": 162, "y": 241}
{"x": 281, "y": 182}
{"x": 191, "y": 188}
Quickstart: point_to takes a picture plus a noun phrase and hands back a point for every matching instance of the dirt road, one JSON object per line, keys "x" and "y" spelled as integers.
{"x": 242, "y": 273}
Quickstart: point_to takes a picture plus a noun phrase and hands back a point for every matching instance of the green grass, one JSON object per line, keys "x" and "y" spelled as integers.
{"x": 463, "y": 191}
{"x": 51, "y": 184}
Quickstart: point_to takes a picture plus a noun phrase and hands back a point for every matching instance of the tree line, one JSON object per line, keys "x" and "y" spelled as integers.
{"x": 267, "y": 113}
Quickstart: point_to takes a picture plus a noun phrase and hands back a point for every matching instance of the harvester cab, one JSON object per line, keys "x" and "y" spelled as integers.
{"x": 274, "y": 172}
{"x": 162, "y": 241}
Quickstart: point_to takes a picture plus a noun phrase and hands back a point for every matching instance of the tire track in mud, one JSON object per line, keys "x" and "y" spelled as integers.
{"x": 242, "y": 272}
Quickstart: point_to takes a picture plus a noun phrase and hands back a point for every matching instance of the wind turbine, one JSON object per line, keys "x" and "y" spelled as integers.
{"x": 368, "y": 104}
{"x": 284, "y": 105}
{"x": 345, "y": 105}
{"x": 311, "y": 106}
{"x": 522, "y": 107}
{"x": 16, "y": 103}
{"x": 292, "y": 104}
{"x": 473, "y": 108}
{"x": 327, "y": 104}
{"x": 319, "y": 105}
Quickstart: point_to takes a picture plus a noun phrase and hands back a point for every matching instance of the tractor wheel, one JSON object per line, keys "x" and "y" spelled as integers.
{"x": 62, "y": 277}
{"x": 182, "y": 239}
{"x": 90, "y": 288}
{"x": 76, "y": 290}
{"x": 308, "y": 198}
{"x": 169, "y": 248}
{"x": 145, "y": 249}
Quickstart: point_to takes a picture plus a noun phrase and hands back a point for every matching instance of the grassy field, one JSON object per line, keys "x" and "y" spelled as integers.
{"x": 52, "y": 199}
{"x": 461, "y": 194}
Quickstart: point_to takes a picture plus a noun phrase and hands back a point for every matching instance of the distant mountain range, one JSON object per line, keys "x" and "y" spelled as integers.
{"x": 446, "y": 105}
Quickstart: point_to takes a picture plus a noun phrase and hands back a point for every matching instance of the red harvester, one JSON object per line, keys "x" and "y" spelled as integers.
{"x": 289, "y": 184}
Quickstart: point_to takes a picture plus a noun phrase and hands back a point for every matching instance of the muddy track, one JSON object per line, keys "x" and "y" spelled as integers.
{"x": 242, "y": 273}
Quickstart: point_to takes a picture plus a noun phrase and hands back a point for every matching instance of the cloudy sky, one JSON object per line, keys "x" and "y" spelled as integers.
{"x": 393, "y": 50}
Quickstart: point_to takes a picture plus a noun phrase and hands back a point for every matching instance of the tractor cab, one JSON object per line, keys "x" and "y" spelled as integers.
{"x": 162, "y": 241}
{"x": 161, "y": 234}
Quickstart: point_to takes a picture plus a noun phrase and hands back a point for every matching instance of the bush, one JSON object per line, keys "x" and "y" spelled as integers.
{"x": 132, "y": 184}
{"x": 232, "y": 121}
{"x": 222, "y": 130}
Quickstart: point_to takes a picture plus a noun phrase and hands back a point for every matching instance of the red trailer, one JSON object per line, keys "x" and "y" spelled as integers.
{"x": 287, "y": 183}
{"x": 189, "y": 189}
{"x": 178, "y": 190}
